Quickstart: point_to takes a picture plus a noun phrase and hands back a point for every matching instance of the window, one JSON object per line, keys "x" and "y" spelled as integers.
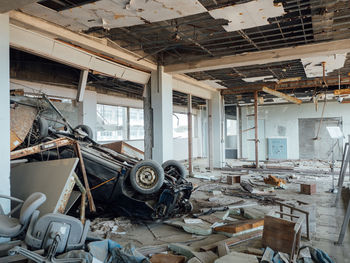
{"x": 231, "y": 127}
{"x": 111, "y": 123}
{"x": 136, "y": 124}
{"x": 180, "y": 125}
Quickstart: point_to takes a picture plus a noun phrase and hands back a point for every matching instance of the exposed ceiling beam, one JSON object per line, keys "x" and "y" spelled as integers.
{"x": 262, "y": 57}
{"x": 8, "y": 5}
{"x": 302, "y": 84}
{"x": 281, "y": 95}
{"x": 125, "y": 57}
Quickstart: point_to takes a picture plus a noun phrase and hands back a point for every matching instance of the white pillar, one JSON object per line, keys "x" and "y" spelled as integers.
{"x": 87, "y": 110}
{"x": 216, "y": 131}
{"x": 4, "y": 110}
{"x": 162, "y": 105}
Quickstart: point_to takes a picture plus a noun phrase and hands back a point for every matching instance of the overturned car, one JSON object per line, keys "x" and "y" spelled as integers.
{"x": 120, "y": 184}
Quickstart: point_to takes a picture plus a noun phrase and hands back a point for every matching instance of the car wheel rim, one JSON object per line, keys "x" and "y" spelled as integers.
{"x": 146, "y": 177}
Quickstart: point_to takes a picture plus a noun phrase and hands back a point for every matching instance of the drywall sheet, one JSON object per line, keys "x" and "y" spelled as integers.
{"x": 53, "y": 178}
{"x": 314, "y": 68}
{"x": 248, "y": 15}
{"x": 125, "y": 13}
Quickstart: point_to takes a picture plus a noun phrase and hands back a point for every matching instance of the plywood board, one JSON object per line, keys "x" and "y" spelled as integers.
{"x": 53, "y": 178}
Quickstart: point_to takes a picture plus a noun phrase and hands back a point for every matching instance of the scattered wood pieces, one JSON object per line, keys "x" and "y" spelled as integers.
{"x": 234, "y": 240}
{"x": 167, "y": 258}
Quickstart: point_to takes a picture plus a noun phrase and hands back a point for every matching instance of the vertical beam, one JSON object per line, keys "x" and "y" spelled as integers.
{"x": 256, "y": 129}
{"x": 148, "y": 121}
{"x": 87, "y": 111}
{"x": 162, "y": 105}
{"x": 190, "y": 144}
{"x": 216, "y": 128}
{"x": 128, "y": 123}
{"x": 82, "y": 85}
{"x": 210, "y": 136}
{"x": 5, "y": 110}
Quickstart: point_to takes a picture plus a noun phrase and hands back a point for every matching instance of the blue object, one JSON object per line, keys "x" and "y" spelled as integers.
{"x": 277, "y": 148}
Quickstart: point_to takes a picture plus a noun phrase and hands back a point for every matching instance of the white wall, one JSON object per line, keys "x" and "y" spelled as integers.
{"x": 287, "y": 116}
{"x": 4, "y": 110}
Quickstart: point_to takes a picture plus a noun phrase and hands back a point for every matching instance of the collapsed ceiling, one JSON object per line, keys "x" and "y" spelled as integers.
{"x": 172, "y": 31}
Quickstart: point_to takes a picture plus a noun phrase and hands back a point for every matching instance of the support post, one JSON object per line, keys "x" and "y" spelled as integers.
{"x": 256, "y": 129}
{"x": 5, "y": 111}
{"x": 87, "y": 111}
{"x": 190, "y": 144}
{"x": 216, "y": 127}
{"x": 148, "y": 121}
{"x": 162, "y": 105}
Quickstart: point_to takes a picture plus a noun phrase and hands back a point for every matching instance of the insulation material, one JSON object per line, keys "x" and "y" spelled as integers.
{"x": 261, "y": 78}
{"x": 313, "y": 66}
{"x": 248, "y": 15}
{"x": 122, "y": 13}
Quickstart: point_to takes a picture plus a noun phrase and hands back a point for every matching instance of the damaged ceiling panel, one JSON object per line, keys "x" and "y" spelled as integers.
{"x": 120, "y": 13}
{"x": 314, "y": 68}
{"x": 248, "y": 15}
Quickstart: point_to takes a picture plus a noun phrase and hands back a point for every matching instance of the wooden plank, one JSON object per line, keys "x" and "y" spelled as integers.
{"x": 262, "y": 57}
{"x": 223, "y": 249}
{"x": 240, "y": 226}
{"x": 282, "y": 95}
{"x": 338, "y": 92}
{"x": 234, "y": 240}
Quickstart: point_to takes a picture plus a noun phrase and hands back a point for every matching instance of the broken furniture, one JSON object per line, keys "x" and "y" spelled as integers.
{"x": 233, "y": 179}
{"x": 11, "y": 226}
{"x": 55, "y": 233}
{"x": 292, "y": 216}
{"x": 282, "y": 235}
{"x": 56, "y": 144}
{"x": 55, "y": 178}
{"x": 308, "y": 188}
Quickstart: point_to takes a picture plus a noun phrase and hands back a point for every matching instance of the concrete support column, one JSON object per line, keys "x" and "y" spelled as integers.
{"x": 216, "y": 117}
{"x": 87, "y": 110}
{"x": 5, "y": 110}
{"x": 162, "y": 105}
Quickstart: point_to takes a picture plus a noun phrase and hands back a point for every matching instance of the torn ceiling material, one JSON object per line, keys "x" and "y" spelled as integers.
{"x": 248, "y": 15}
{"x": 261, "y": 78}
{"x": 313, "y": 65}
{"x": 120, "y": 13}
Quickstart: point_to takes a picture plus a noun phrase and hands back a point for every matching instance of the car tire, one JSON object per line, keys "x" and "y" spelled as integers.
{"x": 43, "y": 127}
{"x": 180, "y": 170}
{"x": 146, "y": 177}
{"x": 85, "y": 129}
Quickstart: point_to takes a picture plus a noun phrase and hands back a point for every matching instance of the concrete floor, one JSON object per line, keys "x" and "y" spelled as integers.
{"x": 328, "y": 219}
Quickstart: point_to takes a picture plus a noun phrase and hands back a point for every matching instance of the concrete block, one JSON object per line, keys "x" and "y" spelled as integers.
{"x": 223, "y": 249}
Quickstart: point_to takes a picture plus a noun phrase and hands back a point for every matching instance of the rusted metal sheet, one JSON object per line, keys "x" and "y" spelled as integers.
{"x": 21, "y": 121}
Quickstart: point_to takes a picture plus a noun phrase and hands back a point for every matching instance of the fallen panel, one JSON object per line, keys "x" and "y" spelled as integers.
{"x": 248, "y": 15}
{"x": 53, "y": 178}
